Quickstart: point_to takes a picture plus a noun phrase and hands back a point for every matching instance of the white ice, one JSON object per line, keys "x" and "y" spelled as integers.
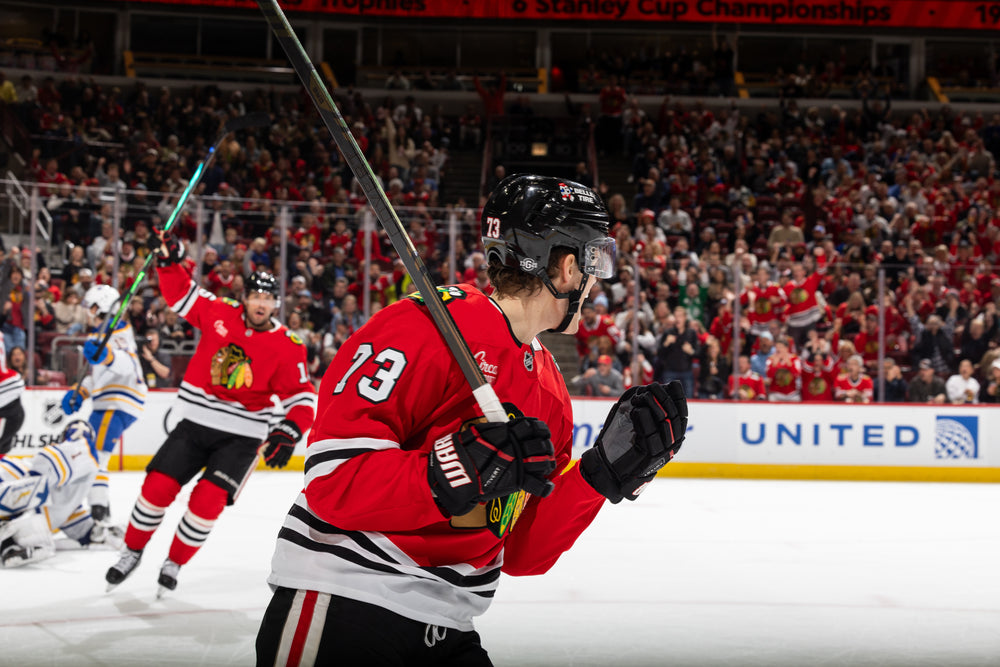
{"x": 697, "y": 572}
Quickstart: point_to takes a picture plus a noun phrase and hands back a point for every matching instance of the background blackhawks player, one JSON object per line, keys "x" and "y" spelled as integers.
{"x": 44, "y": 494}
{"x": 243, "y": 359}
{"x": 114, "y": 384}
{"x": 391, "y": 550}
{"x": 11, "y": 409}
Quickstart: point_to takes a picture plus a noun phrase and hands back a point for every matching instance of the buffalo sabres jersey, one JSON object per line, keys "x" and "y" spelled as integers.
{"x": 117, "y": 383}
{"x": 366, "y": 526}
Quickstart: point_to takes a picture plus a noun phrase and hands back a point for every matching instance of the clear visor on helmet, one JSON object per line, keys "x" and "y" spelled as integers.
{"x": 599, "y": 257}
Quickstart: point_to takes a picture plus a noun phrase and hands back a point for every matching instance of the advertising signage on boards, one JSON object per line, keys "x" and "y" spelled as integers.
{"x": 947, "y": 14}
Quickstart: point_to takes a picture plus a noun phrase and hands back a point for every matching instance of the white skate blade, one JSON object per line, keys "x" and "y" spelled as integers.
{"x": 161, "y": 591}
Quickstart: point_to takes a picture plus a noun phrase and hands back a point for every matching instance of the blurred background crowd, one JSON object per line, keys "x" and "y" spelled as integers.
{"x": 767, "y": 251}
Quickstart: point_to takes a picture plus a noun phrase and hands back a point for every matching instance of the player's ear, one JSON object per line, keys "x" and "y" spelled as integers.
{"x": 568, "y": 273}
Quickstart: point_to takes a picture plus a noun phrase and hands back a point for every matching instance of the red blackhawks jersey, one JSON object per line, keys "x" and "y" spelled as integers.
{"x": 769, "y": 301}
{"x": 843, "y": 385}
{"x": 818, "y": 379}
{"x": 604, "y": 326}
{"x": 366, "y": 526}
{"x": 784, "y": 378}
{"x": 749, "y": 385}
{"x": 803, "y": 306}
{"x": 236, "y": 370}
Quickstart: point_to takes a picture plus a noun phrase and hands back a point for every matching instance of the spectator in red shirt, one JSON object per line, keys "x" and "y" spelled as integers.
{"x": 854, "y": 386}
{"x": 819, "y": 370}
{"x": 746, "y": 385}
{"x": 609, "y": 123}
{"x": 784, "y": 373}
{"x": 764, "y": 302}
{"x": 592, "y": 328}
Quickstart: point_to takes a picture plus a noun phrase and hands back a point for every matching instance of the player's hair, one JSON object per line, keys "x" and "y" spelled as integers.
{"x": 510, "y": 281}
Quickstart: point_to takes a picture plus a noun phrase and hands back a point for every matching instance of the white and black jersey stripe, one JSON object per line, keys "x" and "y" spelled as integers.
{"x": 314, "y": 555}
{"x": 11, "y": 390}
{"x": 184, "y": 304}
{"x": 229, "y": 416}
{"x": 306, "y": 398}
{"x": 326, "y": 455}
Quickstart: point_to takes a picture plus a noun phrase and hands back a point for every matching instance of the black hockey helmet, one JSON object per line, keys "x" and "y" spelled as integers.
{"x": 527, "y": 216}
{"x": 262, "y": 281}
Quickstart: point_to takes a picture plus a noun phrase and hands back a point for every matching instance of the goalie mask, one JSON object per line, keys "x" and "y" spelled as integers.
{"x": 527, "y": 216}
{"x": 80, "y": 429}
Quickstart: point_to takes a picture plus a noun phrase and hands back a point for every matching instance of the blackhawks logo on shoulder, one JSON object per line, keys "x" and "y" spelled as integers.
{"x": 448, "y": 293}
{"x": 294, "y": 336}
{"x": 231, "y": 368}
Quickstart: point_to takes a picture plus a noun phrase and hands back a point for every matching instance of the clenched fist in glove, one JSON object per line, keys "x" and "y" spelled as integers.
{"x": 281, "y": 443}
{"x": 643, "y": 432}
{"x": 167, "y": 248}
{"x": 491, "y": 460}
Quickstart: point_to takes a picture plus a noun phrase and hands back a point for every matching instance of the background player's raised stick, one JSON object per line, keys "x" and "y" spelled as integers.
{"x": 335, "y": 123}
{"x": 256, "y": 119}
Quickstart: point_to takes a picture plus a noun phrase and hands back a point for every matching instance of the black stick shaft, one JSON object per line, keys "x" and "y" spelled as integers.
{"x": 337, "y": 126}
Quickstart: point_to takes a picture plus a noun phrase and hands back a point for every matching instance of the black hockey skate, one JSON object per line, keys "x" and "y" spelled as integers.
{"x": 120, "y": 571}
{"x": 168, "y": 577}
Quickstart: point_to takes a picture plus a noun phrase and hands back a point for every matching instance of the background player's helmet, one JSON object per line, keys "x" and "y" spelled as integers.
{"x": 262, "y": 281}
{"x": 527, "y": 216}
{"x": 103, "y": 296}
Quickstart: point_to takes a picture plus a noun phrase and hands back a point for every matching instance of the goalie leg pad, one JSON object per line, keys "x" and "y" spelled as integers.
{"x": 28, "y": 540}
{"x": 206, "y": 504}
{"x": 22, "y": 495}
{"x": 158, "y": 491}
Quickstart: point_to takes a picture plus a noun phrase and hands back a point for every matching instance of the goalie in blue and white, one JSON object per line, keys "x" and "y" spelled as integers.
{"x": 115, "y": 384}
{"x": 45, "y": 494}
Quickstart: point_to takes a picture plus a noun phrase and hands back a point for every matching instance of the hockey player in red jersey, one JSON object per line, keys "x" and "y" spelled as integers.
{"x": 398, "y": 540}
{"x": 243, "y": 360}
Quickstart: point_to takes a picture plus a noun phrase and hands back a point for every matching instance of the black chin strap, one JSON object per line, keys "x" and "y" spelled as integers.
{"x": 574, "y": 296}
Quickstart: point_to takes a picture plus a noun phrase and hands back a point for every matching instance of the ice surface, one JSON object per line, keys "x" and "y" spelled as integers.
{"x": 697, "y": 572}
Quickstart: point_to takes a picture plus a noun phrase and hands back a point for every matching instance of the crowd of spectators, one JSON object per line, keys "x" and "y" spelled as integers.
{"x": 790, "y": 217}
{"x": 787, "y": 217}
{"x": 104, "y": 152}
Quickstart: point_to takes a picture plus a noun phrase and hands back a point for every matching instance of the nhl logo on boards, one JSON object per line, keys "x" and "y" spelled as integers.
{"x": 529, "y": 361}
{"x": 53, "y": 413}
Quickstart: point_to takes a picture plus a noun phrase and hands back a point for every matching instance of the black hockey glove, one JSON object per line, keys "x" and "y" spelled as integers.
{"x": 643, "y": 432}
{"x": 491, "y": 460}
{"x": 167, "y": 248}
{"x": 281, "y": 443}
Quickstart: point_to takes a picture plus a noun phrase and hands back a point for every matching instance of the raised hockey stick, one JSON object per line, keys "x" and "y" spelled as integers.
{"x": 256, "y": 119}
{"x": 335, "y": 123}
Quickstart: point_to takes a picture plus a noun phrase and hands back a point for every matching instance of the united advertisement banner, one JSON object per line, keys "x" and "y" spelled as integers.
{"x": 804, "y": 441}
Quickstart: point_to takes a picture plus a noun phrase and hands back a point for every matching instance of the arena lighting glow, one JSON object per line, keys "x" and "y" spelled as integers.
{"x": 947, "y": 14}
